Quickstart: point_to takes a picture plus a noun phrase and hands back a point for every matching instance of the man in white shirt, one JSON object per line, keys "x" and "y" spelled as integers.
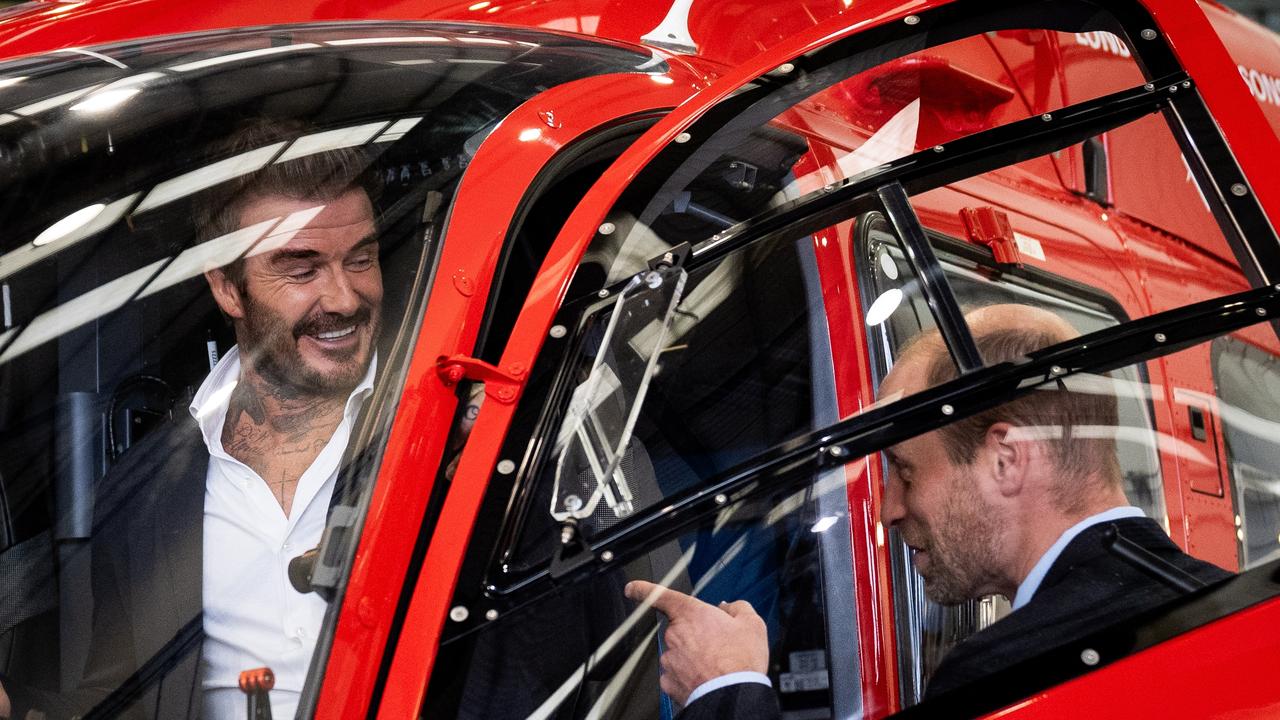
{"x": 195, "y": 526}
{"x": 276, "y": 415}
{"x": 988, "y": 505}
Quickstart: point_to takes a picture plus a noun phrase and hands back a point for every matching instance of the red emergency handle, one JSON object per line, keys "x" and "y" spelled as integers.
{"x": 256, "y": 684}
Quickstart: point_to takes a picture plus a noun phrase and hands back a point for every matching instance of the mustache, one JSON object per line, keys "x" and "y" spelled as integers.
{"x": 328, "y": 322}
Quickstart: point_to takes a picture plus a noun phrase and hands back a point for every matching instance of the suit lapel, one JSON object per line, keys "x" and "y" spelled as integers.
{"x": 179, "y": 528}
{"x": 1087, "y": 546}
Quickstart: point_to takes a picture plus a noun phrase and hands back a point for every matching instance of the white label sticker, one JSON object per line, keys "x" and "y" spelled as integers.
{"x": 808, "y": 661}
{"x": 804, "y": 682}
{"x": 1029, "y": 246}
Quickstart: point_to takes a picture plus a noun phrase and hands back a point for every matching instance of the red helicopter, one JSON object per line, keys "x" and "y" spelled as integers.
{"x": 645, "y": 269}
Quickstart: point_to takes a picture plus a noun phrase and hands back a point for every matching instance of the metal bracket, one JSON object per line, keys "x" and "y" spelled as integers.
{"x": 502, "y": 385}
{"x": 675, "y": 257}
{"x": 572, "y": 553}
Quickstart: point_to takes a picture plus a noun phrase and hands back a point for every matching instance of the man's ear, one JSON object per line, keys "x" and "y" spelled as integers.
{"x": 1009, "y": 458}
{"x": 225, "y": 293}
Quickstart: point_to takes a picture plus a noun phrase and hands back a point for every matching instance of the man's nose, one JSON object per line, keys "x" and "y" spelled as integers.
{"x": 339, "y": 295}
{"x": 892, "y": 508}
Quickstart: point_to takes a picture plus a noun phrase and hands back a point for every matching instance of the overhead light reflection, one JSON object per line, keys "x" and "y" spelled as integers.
{"x": 152, "y": 278}
{"x": 11, "y": 81}
{"x": 483, "y": 41}
{"x": 237, "y": 57}
{"x": 662, "y": 79}
{"x": 389, "y": 40}
{"x": 95, "y": 56}
{"x": 530, "y": 134}
{"x": 208, "y": 176}
{"x": 884, "y": 306}
{"x": 888, "y": 266}
{"x": 116, "y": 93}
{"x": 69, "y": 224}
{"x": 480, "y": 5}
{"x": 824, "y": 524}
{"x": 398, "y": 130}
{"x": 55, "y": 101}
{"x": 106, "y": 99}
{"x": 28, "y": 254}
{"x": 331, "y": 140}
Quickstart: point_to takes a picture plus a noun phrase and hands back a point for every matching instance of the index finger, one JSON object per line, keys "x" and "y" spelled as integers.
{"x": 664, "y": 599}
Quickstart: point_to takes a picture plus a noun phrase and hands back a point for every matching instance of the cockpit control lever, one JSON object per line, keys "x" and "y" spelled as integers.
{"x": 255, "y": 684}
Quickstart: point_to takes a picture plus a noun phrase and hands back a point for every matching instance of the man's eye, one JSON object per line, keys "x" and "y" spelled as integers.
{"x": 902, "y": 471}
{"x": 359, "y": 263}
{"x": 300, "y": 274}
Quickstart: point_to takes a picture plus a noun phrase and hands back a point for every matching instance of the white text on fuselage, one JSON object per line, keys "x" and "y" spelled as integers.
{"x": 1104, "y": 41}
{"x": 1266, "y": 88}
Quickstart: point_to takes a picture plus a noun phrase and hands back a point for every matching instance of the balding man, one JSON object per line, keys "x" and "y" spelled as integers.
{"x": 1012, "y": 501}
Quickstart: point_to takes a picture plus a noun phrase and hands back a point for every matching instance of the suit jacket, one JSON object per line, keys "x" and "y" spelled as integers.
{"x": 147, "y": 564}
{"x": 1086, "y": 588}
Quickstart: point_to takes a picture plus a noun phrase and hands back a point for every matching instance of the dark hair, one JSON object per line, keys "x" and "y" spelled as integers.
{"x": 1078, "y": 459}
{"x": 321, "y": 175}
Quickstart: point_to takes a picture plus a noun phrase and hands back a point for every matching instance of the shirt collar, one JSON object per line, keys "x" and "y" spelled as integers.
{"x": 1032, "y": 582}
{"x": 209, "y": 406}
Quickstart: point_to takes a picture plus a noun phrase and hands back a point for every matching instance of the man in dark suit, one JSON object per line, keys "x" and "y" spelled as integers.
{"x": 195, "y": 526}
{"x": 1012, "y": 501}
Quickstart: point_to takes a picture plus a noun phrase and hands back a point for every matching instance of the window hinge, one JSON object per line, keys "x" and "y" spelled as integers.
{"x": 501, "y": 384}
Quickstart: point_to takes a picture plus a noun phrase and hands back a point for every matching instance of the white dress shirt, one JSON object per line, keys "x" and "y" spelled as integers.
{"x": 252, "y": 615}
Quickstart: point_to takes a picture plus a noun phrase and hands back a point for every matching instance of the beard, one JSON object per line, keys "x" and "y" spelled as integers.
{"x": 962, "y": 549}
{"x": 271, "y": 345}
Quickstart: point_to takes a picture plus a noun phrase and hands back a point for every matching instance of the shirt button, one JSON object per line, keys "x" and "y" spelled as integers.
{"x": 286, "y": 547}
{"x": 300, "y": 632}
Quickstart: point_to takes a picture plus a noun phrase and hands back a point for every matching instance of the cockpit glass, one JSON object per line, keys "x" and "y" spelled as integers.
{"x": 841, "y": 205}
{"x": 201, "y": 232}
{"x": 592, "y": 477}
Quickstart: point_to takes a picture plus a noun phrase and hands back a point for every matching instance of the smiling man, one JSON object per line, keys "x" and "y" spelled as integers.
{"x": 1012, "y": 501}
{"x": 196, "y": 525}
{"x": 277, "y": 412}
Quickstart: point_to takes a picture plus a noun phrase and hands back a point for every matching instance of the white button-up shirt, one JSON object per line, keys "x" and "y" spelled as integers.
{"x": 252, "y": 615}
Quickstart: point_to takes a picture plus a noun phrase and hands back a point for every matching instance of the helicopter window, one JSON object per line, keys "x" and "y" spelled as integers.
{"x": 675, "y": 377}
{"x": 927, "y": 630}
{"x": 612, "y": 453}
{"x": 154, "y": 190}
{"x": 1245, "y": 376}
